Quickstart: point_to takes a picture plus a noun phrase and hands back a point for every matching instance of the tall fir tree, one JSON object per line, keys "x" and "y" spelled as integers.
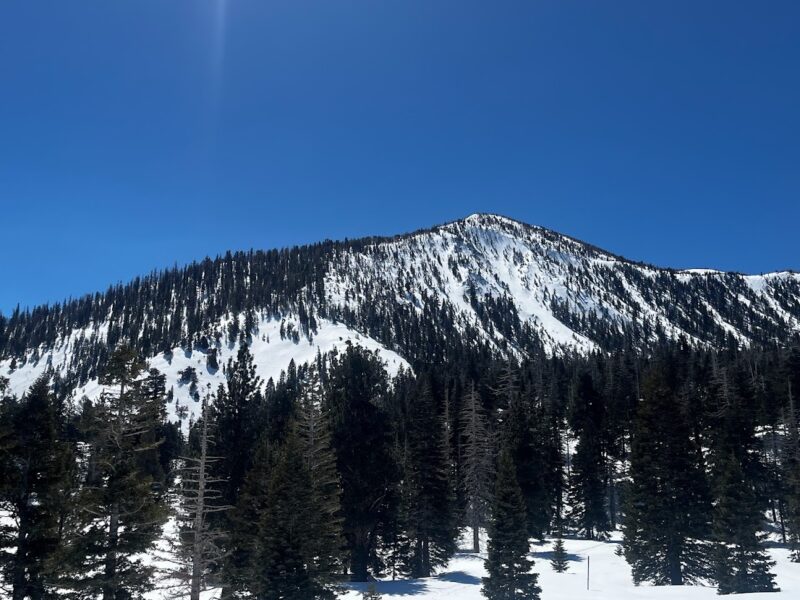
{"x": 587, "y": 492}
{"x": 477, "y": 464}
{"x": 524, "y": 436}
{"x": 236, "y": 415}
{"x": 199, "y": 548}
{"x": 355, "y": 395}
{"x": 313, "y": 425}
{"x": 790, "y": 462}
{"x": 741, "y": 563}
{"x": 293, "y": 561}
{"x": 507, "y": 564}
{"x": 667, "y": 505}
{"x": 120, "y": 512}
{"x": 430, "y": 503}
{"x": 36, "y": 467}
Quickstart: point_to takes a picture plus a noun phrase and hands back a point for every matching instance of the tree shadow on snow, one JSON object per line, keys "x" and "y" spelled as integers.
{"x": 459, "y": 577}
{"x": 396, "y": 588}
{"x": 548, "y": 555}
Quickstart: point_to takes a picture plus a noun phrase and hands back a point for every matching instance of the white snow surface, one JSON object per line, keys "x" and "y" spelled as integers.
{"x": 271, "y": 356}
{"x": 609, "y": 578}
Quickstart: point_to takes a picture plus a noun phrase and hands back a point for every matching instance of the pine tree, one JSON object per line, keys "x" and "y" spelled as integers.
{"x": 559, "y": 561}
{"x": 235, "y": 416}
{"x": 527, "y": 450}
{"x": 741, "y": 563}
{"x": 119, "y": 513}
{"x": 243, "y": 533}
{"x": 667, "y": 503}
{"x": 508, "y": 565}
{"x": 430, "y": 506}
{"x": 790, "y": 472}
{"x": 587, "y": 484}
{"x": 356, "y": 393}
{"x": 293, "y": 562}
{"x": 477, "y": 464}
{"x": 200, "y": 544}
{"x": 313, "y": 426}
{"x": 35, "y": 468}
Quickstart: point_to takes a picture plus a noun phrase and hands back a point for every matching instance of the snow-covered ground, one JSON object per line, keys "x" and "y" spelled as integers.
{"x": 271, "y": 356}
{"x": 609, "y": 578}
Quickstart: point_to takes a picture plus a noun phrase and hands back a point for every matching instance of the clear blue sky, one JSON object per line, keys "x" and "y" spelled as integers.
{"x": 139, "y": 133}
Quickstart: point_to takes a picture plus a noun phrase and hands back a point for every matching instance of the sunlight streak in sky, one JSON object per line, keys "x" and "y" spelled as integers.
{"x": 219, "y": 26}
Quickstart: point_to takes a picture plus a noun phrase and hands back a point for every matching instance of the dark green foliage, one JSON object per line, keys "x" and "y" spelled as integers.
{"x": 430, "y": 518}
{"x": 741, "y": 563}
{"x": 559, "y": 561}
{"x": 313, "y": 427}
{"x": 587, "y": 484}
{"x": 356, "y": 393}
{"x": 508, "y": 565}
{"x": 791, "y": 457}
{"x": 292, "y": 562}
{"x": 243, "y": 536}
{"x": 36, "y": 468}
{"x": 477, "y": 464}
{"x": 236, "y": 412}
{"x": 667, "y": 506}
{"x": 119, "y": 510}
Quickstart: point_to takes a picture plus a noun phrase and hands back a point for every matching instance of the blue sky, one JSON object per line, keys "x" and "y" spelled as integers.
{"x": 138, "y": 134}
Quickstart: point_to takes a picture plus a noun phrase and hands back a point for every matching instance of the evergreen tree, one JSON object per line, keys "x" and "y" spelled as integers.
{"x": 35, "y": 467}
{"x": 667, "y": 507}
{"x": 430, "y": 506}
{"x": 356, "y": 393}
{"x": 119, "y": 513}
{"x": 791, "y": 471}
{"x": 508, "y": 565}
{"x": 200, "y": 543}
{"x": 741, "y": 563}
{"x": 293, "y": 562}
{"x": 525, "y": 441}
{"x": 235, "y": 414}
{"x": 477, "y": 464}
{"x": 313, "y": 426}
{"x": 559, "y": 561}
{"x": 587, "y": 484}
{"x": 242, "y": 530}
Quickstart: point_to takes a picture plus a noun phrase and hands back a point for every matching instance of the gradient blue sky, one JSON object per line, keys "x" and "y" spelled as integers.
{"x": 139, "y": 133}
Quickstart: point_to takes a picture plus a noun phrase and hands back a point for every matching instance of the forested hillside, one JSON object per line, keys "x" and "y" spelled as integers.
{"x": 277, "y": 425}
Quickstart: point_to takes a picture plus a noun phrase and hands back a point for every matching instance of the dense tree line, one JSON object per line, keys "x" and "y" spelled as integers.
{"x": 335, "y": 472}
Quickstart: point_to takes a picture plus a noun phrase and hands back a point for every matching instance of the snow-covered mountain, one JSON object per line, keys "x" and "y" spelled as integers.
{"x": 570, "y": 294}
{"x": 484, "y": 284}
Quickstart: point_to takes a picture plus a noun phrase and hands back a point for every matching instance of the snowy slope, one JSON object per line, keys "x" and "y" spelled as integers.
{"x": 271, "y": 356}
{"x": 574, "y": 296}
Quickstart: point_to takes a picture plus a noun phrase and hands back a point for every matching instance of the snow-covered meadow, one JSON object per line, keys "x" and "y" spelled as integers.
{"x": 609, "y": 578}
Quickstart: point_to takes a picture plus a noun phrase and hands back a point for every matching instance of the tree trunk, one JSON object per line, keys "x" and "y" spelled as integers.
{"x": 674, "y": 569}
{"x": 197, "y": 547}
{"x": 359, "y": 558}
{"x": 18, "y": 577}
{"x": 476, "y": 538}
{"x": 109, "y": 585}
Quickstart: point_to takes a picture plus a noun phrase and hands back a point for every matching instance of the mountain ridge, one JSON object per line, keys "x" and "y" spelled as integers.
{"x": 485, "y": 285}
